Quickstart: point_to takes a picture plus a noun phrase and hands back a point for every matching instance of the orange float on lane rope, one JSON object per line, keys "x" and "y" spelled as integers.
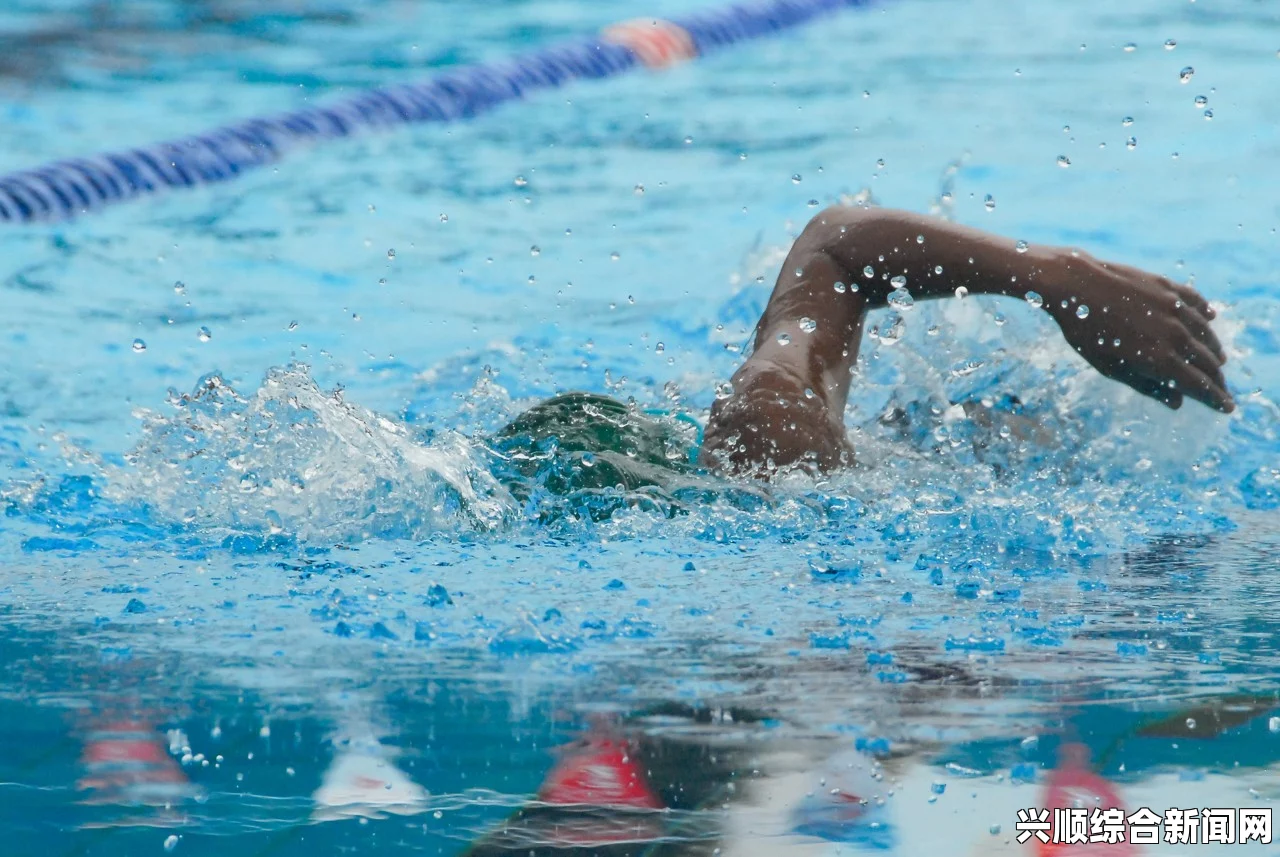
{"x": 657, "y": 43}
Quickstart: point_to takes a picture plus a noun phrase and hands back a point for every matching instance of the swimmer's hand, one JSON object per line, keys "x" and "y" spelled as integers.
{"x": 1136, "y": 327}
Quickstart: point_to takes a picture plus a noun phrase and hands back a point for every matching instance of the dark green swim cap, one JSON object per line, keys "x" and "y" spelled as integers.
{"x": 597, "y": 442}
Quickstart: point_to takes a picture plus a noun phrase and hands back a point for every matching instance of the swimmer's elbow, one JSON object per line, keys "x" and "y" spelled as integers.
{"x": 836, "y": 225}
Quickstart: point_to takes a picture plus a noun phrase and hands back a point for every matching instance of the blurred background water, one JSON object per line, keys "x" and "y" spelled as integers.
{"x": 243, "y": 610}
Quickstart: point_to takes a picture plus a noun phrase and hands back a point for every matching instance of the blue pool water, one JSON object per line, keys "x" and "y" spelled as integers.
{"x": 262, "y": 593}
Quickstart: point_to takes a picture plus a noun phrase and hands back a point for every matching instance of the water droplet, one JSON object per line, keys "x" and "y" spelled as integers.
{"x": 1082, "y": 311}
{"x": 660, "y": 347}
{"x": 139, "y": 346}
{"x": 688, "y": 141}
{"x": 994, "y": 830}
{"x": 170, "y": 842}
{"x": 898, "y": 282}
{"x": 444, "y": 218}
{"x": 391, "y": 254}
{"x": 1126, "y": 121}
{"x": 990, "y": 202}
{"x": 840, "y": 287}
{"x": 179, "y": 288}
{"x": 938, "y": 787}
{"x": 919, "y": 239}
{"x": 795, "y": 179}
{"x": 535, "y": 250}
{"x": 1064, "y": 161}
{"x": 808, "y": 325}
{"x": 1191, "y": 723}
{"x": 615, "y": 256}
{"x": 1201, "y": 101}
{"x": 639, "y": 190}
{"x": 521, "y": 181}
{"x": 784, "y": 339}
{"x": 869, "y": 272}
{"x": 813, "y": 203}
{"x": 293, "y": 325}
{"x": 1021, "y": 246}
{"x": 1131, "y": 143}
{"x": 937, "y": 269}
{"x": 724, "y": 391}
{"x": 1170, "y": 44}
{"x": 204, "y": 335}
{"x": 1186, "y": 74}
{"x": 962, "y": 292}
{"x": 891, "y": 331}
{"x": 1274, "y": 724}
{"x": 1035, "y": 299}
{"x": 901, "y": 300}
{"x": 999, "y": 318}
{"x": 1130, "y": 48}
{"x": 1208, "y": 114}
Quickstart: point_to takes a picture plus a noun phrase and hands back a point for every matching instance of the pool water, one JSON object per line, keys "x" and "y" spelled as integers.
{"x": 265, "y": 590}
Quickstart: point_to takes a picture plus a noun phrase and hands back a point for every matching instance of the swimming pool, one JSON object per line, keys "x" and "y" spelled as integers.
{"x": 264, "y": 618}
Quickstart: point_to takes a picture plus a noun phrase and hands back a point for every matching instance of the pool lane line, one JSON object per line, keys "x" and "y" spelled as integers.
{"x": 67, "y": 188}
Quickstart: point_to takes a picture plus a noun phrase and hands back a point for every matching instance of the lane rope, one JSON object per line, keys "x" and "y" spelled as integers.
{"x": 67, "y": 188}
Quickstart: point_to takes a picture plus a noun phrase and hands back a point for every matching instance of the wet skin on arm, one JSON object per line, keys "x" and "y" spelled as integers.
{"x": 789, "y": 396}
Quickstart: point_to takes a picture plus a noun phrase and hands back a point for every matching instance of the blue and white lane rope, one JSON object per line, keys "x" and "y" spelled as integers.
{"x": 75, "y": 186}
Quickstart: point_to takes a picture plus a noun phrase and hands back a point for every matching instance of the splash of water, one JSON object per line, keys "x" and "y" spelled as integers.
{"x": 291, "y": 459}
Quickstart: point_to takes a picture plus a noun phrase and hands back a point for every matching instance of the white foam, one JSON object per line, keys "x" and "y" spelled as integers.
{"x": 292, "y": 459}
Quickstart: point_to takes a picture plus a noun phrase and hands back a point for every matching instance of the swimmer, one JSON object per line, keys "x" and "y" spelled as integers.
{"x": 786, "y": 409}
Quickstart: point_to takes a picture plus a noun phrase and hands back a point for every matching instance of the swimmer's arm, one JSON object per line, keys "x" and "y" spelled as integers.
{"x": 1162, "y": 327}
{"x": 788, "y": 398}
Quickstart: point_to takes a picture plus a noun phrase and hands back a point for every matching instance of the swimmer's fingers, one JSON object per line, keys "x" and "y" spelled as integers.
{"x": 1198, "y": 326}
{"x": 1181, "y": 291}
{"x": 1201, "y": 386}
{"x": 1158, "y": 390}
{"x": 1186, "y": 367}
{"x": 1193, "y": 299}
{"x": 1197, "y": 353}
